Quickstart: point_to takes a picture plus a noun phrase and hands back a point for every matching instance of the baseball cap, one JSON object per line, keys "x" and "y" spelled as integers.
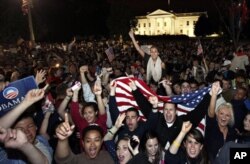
{"x": 226, "y": 62}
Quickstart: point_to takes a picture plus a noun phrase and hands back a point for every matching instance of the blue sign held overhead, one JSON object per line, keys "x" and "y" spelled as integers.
{"x": 14, "y": 93}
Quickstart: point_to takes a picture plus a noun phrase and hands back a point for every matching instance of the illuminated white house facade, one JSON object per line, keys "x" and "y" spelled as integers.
{"x": 161, "y": 22}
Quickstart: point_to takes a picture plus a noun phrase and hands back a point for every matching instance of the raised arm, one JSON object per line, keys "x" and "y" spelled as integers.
{"x": 118, "y": 124}
{"x": 16, "y": 139}
{"x": 62, "y": 107}
{"x": 141, "y": 100}
{"x": 98, "y": 93}
{"x": 196, "y": 115}
{"x": 31, "y": 97}
{"x": 205, "y": 64}
{"x": 186, "y": 126}
{"x": 137, "y": 46}
{"x": 44, "y": 125}
{"x": 87, "y": 93}
{"x": 63, "y": 131}
{"x": 114, "y": 111}
{"x": 71, "y": 44}
{"x": 40, "y": 76}
{"x": 214, "y": 92}
{"x": 167, "y": 86}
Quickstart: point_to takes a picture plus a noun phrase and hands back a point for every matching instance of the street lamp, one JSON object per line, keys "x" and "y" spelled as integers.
{"x": 26, "y": 8}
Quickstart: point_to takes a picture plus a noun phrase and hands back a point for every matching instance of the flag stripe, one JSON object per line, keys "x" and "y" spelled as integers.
{"x": 186, "y": 102}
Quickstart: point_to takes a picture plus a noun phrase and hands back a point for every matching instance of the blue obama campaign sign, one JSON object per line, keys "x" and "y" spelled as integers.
{"x": 14, "y": 93}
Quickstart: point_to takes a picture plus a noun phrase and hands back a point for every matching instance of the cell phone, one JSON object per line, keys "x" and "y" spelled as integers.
{"x": 76, "y": 85}
{"x": 133, "y": 143}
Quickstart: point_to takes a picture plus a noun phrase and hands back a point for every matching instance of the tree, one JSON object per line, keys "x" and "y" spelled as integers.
{"x": 119, "y": 18}
{"x": 203, "y": 26}
{"x": 231, "y": 13}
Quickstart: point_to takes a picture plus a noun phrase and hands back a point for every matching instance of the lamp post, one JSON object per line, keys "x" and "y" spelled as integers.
{"x": 26, "y": 8}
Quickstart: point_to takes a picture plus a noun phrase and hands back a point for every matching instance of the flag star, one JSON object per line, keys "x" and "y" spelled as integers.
{"x": 183, "y": 95}
{"x": 199, "y": 97}
{"x": 180, "y": 99}
{"x": 184, "y": 99}
{"x": 188, "y": 95}
{"x": 196, "y": 91}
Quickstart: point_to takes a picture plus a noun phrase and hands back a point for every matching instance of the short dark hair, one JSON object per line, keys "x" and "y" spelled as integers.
{"x": 90, "y": 128}
{"x": 175, "y": 105}
{"x": 133, "y": 110}
{"x": 91, "y": 104}
{"x": 25, "y": 115}
{"x": 196, "y": 134}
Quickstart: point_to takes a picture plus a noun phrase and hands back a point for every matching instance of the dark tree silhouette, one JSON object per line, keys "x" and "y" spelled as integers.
{"x": 203, "y": 26}
{"x": 119, "y": 18}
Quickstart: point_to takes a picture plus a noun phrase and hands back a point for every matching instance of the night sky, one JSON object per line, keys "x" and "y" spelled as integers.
{"x": 63, "y": 19}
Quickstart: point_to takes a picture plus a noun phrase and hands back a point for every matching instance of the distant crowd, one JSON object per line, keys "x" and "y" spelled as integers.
{"x": 74, "y": 115}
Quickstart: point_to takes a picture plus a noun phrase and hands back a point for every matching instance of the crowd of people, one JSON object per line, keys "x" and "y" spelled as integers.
{"x": 73, "y": 116}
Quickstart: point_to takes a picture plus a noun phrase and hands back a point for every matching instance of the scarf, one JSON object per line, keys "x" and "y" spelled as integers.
{"x": 154, "y": 70}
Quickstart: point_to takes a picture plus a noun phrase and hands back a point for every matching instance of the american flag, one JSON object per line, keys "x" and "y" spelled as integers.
{"x": 110, "y": 54}
{"x": 186, "y": 102}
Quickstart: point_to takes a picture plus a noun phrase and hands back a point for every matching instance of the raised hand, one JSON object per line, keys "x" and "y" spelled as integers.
{"x": 154, "y": 101}
{"x": 216, "y": 88}
{"x": 15, "y": 139}
{"x": 112, "y": 87}
{"x": 166, "y": 83}
{"x": 98, "y": 88}
{"x": 132, "y": 84}
{"x": 119, "y": 120}
{"x": 84, "y": 69}
{"x": 69, "y": 92}
{"x": 3, "y": 85}
{"x": 64, "y": 130}
{"x": 186, "y": 126}
{"x": 40, "y": 76}
{"x": 134, "y": 150}
{"x": 34, "y": 95}
{"x": 76, "y": 87}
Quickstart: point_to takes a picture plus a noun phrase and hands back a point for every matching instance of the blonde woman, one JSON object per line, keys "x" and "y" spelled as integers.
{"x": 219, "y": 128}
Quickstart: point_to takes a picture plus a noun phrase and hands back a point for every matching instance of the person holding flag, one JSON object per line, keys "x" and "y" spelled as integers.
{"x": 168, "y": 124}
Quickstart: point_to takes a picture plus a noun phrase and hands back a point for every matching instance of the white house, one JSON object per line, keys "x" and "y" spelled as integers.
{"x": 161, "y": 22}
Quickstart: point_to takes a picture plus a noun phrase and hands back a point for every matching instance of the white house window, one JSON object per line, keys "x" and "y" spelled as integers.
{"x": 144, "y": 25}
{"x": 149, "y": 24}
{"x": 181, "y": 31}
{"x": 165, "y": 24}
{"x": 187, "y": 23}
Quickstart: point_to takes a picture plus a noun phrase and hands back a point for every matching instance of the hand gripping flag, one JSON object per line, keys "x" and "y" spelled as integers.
{"x": 185, "y": 102}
